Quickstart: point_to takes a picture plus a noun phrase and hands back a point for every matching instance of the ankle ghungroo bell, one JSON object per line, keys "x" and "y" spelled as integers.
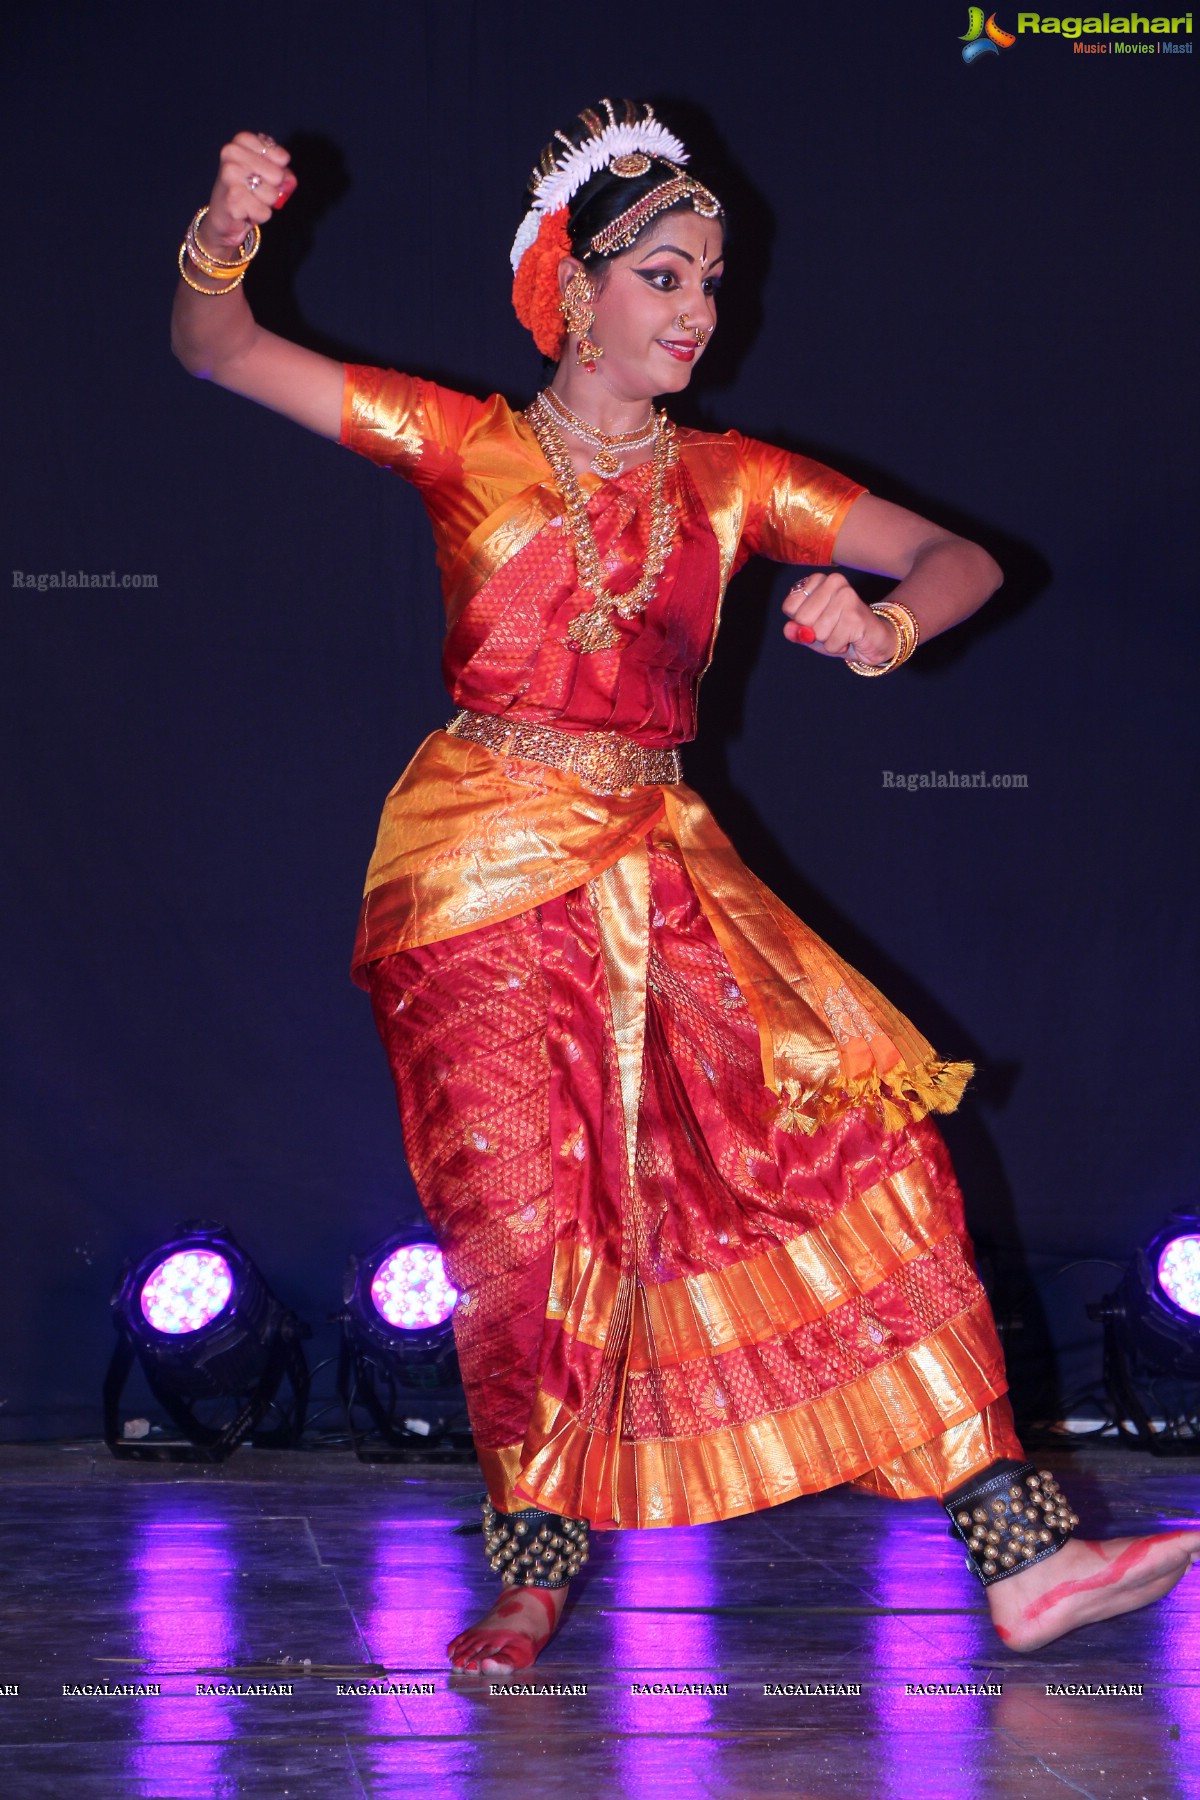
{"x": 1011, "y": 1521}
{"x": 533, "y": 1548}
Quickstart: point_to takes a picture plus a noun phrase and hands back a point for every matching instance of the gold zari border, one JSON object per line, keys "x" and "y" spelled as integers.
{"x": 873, "y": 1236}
{"x": 865, "y": 1425}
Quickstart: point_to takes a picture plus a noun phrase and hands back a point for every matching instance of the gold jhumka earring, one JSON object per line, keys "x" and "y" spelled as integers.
{"x": 580, "y": 316}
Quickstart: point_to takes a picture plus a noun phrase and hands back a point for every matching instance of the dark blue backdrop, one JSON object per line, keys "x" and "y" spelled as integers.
{"x": 963, "y": 285}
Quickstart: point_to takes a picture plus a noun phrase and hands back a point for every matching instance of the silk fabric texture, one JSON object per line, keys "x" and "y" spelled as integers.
{"x": 709, "y": 1248}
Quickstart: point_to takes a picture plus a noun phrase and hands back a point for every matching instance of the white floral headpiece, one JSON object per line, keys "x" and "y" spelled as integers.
{"x": 581, "y": 161}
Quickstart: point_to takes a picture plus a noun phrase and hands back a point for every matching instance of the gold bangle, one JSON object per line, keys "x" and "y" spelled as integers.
{"x": 211, "y": 265}
{"x": 908, "y": 635}
{"x": 226, "y": 287}
{"x": 218, "y": 271}
{"x": 200, "y": 255}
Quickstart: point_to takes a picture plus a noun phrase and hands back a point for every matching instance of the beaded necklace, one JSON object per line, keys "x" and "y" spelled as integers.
{"x": 610, "y": 447}
{"x": 594, "y": 629}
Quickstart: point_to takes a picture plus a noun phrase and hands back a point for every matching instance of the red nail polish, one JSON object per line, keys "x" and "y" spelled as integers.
{"x": 807, "y": 635}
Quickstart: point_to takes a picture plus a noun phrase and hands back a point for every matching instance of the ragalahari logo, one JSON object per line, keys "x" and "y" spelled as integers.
{"x": 983, "y": 38}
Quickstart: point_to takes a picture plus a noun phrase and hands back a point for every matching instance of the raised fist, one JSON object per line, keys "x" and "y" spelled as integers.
{"x": 253, "y": 181}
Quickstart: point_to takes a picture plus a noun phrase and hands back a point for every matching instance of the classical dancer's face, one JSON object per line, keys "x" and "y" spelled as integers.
{"x": 674, "y": 268}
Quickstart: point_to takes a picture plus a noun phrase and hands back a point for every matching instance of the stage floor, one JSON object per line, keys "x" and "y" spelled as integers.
{"x": 316, "y": 1571}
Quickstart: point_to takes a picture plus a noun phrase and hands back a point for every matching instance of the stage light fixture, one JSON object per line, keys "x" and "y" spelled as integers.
{"x": 1179, "y": 1273}
{"x": 409, "y": 1289}
{"x": 397, "y": 1363}
{"x": 214, "y": 1345}
{"x": 1152, "y": 1341}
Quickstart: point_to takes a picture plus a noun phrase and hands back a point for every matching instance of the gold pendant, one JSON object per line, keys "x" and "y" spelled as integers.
{"x": 606, "y": 464}
{"x": 592, "y": 631}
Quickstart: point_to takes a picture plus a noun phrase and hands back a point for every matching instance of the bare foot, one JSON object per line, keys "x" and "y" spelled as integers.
{"x": 510, "y": 1636}
{"x": 1086, "y": 1581}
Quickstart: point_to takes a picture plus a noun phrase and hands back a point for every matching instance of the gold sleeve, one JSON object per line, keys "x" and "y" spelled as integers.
{"x": 403, "y": 422}
{"x": 794, "y": 505}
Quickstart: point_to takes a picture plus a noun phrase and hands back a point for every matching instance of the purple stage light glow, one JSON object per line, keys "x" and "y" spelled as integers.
{"x": 410, "y": 1288}
{"x": 1179, "y": 1273}
{"x": 187, "y": 1290}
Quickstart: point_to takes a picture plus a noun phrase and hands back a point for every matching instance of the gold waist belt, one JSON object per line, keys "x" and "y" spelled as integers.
{"x": 604, "y": 761}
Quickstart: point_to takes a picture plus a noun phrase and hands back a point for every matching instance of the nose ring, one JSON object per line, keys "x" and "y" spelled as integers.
{"x": 696, "y": 331}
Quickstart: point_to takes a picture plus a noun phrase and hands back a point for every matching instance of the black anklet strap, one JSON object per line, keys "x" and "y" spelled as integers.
{"x": 1010, "y": 1521}
{"x": 533, "y": 1548}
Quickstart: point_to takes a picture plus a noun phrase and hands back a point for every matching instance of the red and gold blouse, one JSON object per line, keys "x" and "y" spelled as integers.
{"x": 508, "y": 572}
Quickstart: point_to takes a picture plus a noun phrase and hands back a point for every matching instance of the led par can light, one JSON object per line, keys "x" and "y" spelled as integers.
{"x": 1160, "y": 1296}
{"x": 398, "y": 1362}
{"x": 198, "y": 1316}
{"x": 1151, "y": 1326}
{"x": 399, "y": 1293}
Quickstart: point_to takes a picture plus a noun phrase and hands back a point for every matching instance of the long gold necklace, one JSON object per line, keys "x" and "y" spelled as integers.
{"x": 594, "y": 629}
{"x": 610, "y": 447}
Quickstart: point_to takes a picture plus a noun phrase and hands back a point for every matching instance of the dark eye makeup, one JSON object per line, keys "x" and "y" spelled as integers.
{"x": 666, "y": 281}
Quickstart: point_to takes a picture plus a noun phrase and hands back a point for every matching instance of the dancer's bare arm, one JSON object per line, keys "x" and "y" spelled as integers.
{"x": 215, "y": 335}
{"x": 941, "y": 579}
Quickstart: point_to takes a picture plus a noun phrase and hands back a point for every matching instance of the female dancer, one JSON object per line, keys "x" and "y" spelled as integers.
{"x": 709, "y": 1248}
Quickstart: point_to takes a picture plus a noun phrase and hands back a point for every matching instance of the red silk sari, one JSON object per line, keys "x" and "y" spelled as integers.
{"x": 709, "y": 1247}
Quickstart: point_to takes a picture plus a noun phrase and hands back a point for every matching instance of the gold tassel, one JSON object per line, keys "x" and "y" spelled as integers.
{"x": 903, "y": 1095}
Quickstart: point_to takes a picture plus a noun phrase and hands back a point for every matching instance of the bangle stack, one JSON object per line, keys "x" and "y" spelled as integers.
{"x": 230, "y": 273}
{"x": 908, "y": 634}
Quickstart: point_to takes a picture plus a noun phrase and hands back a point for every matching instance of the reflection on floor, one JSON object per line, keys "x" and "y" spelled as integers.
{"x": 317, "y": 1572}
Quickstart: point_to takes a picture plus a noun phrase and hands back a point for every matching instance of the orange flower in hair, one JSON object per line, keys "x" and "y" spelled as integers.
{"x": 537, "y": 300}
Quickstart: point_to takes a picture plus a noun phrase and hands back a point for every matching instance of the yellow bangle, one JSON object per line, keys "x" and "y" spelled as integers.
{"x": 213, "y": 293}
{"x": 908, "y": 634}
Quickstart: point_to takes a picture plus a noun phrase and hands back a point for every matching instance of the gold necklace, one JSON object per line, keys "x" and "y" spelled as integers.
{"x": 594, "y": 629}
{"x": 609, "y": 446}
